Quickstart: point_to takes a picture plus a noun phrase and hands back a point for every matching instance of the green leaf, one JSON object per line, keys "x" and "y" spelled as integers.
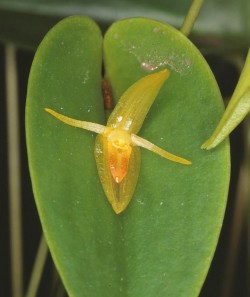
{"x": 224, "y": 23}
{"x": 163, "y": 243}
{"x": 237, "y": 109}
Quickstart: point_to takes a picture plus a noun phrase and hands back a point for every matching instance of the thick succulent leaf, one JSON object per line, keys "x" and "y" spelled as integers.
{"x": 66, "y": 76}
{"x": 172, "y": 226}
{"x": 163, "y": 243}
{"x": 25, "y": 22}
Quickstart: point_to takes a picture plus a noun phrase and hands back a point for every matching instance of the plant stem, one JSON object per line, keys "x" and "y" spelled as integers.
{"x": 38, "y": 268}
{"x": 191, "y": 17}
{"x": 14, "y": 174}
{"x": 57, "y": 288}
{"x": 239, "y": 220}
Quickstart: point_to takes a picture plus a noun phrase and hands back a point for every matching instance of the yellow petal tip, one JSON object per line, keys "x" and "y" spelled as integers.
{"x": 164, "y": 74}
{"x": 118, "y": 208}
{"x": 207, "y": 145}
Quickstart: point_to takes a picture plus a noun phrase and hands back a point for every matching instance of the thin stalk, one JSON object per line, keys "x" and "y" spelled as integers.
{"x": 36, "y": 275}
{"x": 239, "y": 218}
{"x": 191, "y": 17}
{"x": 58, "y": 289}
{"x": 14, "y": 177}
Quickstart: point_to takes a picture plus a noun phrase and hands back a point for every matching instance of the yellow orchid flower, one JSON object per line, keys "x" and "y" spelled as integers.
{"x": 117, "y": 150}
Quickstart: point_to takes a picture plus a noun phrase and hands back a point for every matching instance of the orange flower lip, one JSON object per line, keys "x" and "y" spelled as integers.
{"x": 118, "y": 161}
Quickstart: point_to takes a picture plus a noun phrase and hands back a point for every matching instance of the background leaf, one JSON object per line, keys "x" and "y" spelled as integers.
{"x": 164, "y": 242}
{"x": 220, "y": 24}
{"x": 237, "y": 109}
